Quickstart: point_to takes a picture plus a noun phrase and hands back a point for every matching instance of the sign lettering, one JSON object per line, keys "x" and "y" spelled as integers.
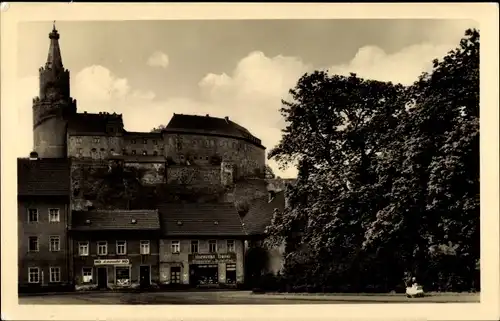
{"x": 111, "y": 262}
{"x": 212, "y": 258}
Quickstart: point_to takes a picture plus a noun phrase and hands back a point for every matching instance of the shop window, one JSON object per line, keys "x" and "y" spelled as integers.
{"x": 230, "y": 273}
{"x": 55, "y": 274}
{"x": 83, "y": 248}
{"x": 32, "y": 215}
{"x": 175, "y": 274}
{"x": 194, "y": 246}
{"x": 207, "y": 274}
{"x": 102, "y": 248}
{"x": 230, "y": 246}
{"x": 212, "y": 246}
{"x": 33, "y": 243}
{"x": 54, "y": 244}
{"x": 145, "y": 249}
{"x": 176, "y": 247}
{"x": 54, "y": 215}
{"x": 33, "y": 275}
{"x": 87, "y": 275}
{"x": 121, "y": 247}
{"x": 122, "y": 275}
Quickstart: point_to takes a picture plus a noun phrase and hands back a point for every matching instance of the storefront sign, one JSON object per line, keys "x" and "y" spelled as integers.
{"x": 111, "y": 262}
{"x": 212, "y": 258}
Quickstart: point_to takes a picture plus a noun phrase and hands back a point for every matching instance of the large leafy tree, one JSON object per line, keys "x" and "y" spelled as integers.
{"x": 388, "y": 176}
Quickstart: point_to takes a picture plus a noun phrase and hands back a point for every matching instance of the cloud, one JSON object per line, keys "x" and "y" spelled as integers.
{"x": 158, "y": 59}
{"x": 403, "y": 66}
{"x": 250, "y": 94}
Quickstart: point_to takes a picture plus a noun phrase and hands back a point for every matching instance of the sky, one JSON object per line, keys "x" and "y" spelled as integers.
{"x": 148, "y": 70}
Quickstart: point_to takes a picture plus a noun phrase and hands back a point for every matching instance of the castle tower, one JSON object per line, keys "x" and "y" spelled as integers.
{"x": 53, "y": 106}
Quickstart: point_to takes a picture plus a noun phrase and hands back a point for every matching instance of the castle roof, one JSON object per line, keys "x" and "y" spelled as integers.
{"x": 43, "y": 177}
{"x": 262, "y": 211}
{"x": 87, "y": 123}
{"x": 200, "y": 219}
{"x": 107, "y": 220}
{"x": 195, "y": 124}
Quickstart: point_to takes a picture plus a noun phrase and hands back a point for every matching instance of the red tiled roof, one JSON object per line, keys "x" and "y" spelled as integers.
{"x": 261, "y": 213}
{"x": 209, "y": 219}
{"x": 209, "y": 125}
{"x": 43, "y": 177}
{"x": 101, "y": 220}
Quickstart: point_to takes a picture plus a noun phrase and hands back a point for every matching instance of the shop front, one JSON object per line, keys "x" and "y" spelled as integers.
{"x": 212, "y": 270}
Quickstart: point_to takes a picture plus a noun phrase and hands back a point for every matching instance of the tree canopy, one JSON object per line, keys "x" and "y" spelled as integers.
{"x": 388, "y": 179}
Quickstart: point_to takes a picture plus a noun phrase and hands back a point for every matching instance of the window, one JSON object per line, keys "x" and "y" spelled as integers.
{"x": 144, "y": 153}
{"x": 83, "y": 248}
{"x": 80, "y": 151}
{"x": 33, "y": 275}
{"x": 54, "y": 215}
{"x": 112, "y": 151}
{"x": 33, "y": 244}
{"x": 121, "y": 247}
{"x": 102, "y": 248}
{"x": 175, "y": 274}
{"x": 133, "y": 152}
{"x": 122, "y": 275}
{"x": 33, "y": 215}
{"x": 155, "y": 142}
{"x": 145, "y": 141}
{"x": 155, "y": 153}
{"x": 54, "y": 244}
{"x": 194, "y": 246}
{"x": 102, "y": 149}
{"x": 55, "y": 274}
{"x": 212, "y": 246}
{"x": 87, "y": 275}
{"x": 93, "y": 150}
{"x": 230, "y": 245}
{"x": 78, "y": 140}
{"x": 144, "y": 247}
{"x": 176, "y": 246}
{"x": 96, "y": 140}
{"x": 133, "y": 141}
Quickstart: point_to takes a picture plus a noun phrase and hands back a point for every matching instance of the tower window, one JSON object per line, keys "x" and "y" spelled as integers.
{"x": 96, "y": 140}
{"x": 78, "y": 140}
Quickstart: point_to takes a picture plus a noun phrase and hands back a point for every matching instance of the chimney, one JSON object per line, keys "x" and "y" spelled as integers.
{"x": 33, "y": 156}
{"x": 208, "y": 115}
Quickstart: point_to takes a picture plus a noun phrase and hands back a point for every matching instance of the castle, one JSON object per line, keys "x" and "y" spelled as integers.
{"x": 59, "y": 131}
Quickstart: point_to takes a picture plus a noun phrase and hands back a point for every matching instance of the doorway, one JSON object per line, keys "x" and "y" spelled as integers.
{"x": 145, "y": 276}
{"x": 102, "y": 278}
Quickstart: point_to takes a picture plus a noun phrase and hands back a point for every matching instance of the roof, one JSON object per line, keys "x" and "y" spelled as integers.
{"x": 209, "y": 125}
{"x": 195, "y": 219}
{"x": 140, "y": 135}
{"x": 261, "y": 213}
{"x": 43, "y": 177}
{"x": 107, "y": 220}
{"x": 92, "y": 123}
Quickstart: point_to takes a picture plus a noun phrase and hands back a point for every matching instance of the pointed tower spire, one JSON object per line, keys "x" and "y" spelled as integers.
{"x": 54, "y": 59}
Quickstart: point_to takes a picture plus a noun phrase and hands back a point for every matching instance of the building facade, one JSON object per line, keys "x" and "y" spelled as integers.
{"x": 115, "y": 249}
{"x": 43, "y": 214}
{"x": 202, "y": 245}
